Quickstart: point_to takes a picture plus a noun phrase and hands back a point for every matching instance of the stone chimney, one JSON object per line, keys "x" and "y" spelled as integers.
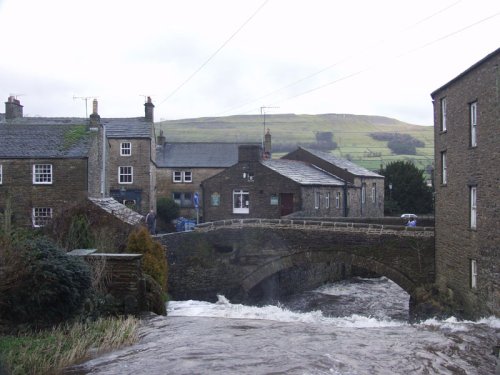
{"x": 13, "y": 108}
{"x": 267, "y": 145}
{"x": 95, "y": 119}
{"x": 249, "y": 153}
{"x": 149, "y": 109}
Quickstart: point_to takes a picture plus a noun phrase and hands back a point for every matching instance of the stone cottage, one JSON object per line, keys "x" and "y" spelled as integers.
{"x": 50, "y": 163}
{"x": 255, "y": 187}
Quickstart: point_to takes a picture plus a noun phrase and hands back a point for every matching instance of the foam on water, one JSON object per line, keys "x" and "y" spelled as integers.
{"x": 224, "y": 309}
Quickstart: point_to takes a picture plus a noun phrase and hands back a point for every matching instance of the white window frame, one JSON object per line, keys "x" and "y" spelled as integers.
{"x": 327, "y": 200}
{"x": 40, "y": 216}
{"x": 473, "y": 124}
{"x": 317, "y": 198}
{"x": 124, "y": 173}
{"x": 337, "y": 200}
{"x": 473, "y": 273}
{"x": 240, "y": 204}
{"x": 187, "y": 176}
{"x": 126, "y": 149}
{"x": 42, "y": 174}
{"x": 473, "y": 207}
{"x": 1, "y": 174}
{"x": 443, "y": 125}
{"x": 182, "y": 176}
{"x": 363, "y": 193}
{"x": 444, "y": 168}
{"x": 374, "y": 192}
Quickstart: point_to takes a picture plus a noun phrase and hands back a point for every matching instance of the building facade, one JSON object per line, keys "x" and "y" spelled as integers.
{"x": 182, "y": 166}
{"x": 49, "y": 164}
{"x": 467, "y": 183}
{"x": 363, "y": 195}
{"x": 275, "y": 188}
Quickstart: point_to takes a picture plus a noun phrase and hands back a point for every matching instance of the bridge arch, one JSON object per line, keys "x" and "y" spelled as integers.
{"x": 270, "y": 268}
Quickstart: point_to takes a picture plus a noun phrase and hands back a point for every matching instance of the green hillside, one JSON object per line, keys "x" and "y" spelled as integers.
{"x": 351, "y": 133}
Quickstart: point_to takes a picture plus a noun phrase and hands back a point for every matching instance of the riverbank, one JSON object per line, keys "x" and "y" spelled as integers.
{"x": 49, "y": 351}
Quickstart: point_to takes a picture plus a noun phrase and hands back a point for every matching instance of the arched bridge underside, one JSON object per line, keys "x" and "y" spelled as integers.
{"x": 233, "y": 257}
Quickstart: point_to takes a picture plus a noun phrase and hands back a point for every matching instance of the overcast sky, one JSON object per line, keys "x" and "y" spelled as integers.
{"x": 200, "y": 58}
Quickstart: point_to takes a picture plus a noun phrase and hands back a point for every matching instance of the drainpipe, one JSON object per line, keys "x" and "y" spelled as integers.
{"x": 345, "y": 198}
{"x": 103, "y": 167}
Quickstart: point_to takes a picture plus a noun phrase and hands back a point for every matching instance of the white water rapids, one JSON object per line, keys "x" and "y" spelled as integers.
{"x": 347, "y": 328}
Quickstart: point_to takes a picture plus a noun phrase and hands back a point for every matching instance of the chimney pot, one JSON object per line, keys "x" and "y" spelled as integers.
{"x": 149, "y": 109}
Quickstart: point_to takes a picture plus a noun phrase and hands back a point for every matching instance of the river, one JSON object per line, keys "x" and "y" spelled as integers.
{"x": 351, "y": 327}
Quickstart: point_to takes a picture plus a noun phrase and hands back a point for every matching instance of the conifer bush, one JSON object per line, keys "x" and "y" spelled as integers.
{"x": 40, "y": 285}
{"x": 154, "y": 262}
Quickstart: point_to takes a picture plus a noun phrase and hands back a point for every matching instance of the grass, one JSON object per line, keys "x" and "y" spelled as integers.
{"x": 350, "y": 132}
{"x": 48, "y": 352}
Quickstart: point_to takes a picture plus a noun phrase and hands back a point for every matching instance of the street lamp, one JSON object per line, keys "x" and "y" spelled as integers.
{"x": 390, "y": 191}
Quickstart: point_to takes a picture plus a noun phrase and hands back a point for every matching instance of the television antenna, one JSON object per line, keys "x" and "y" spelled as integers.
{"x": 86, "y": 98}
{"x": 263, "y": 113}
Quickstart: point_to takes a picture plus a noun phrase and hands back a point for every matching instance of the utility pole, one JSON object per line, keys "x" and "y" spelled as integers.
{"x": 263, "y": 113}
{"x": 86, "y": 98}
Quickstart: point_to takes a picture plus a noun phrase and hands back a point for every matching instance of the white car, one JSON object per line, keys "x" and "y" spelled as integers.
{"x": 409, "y": 216}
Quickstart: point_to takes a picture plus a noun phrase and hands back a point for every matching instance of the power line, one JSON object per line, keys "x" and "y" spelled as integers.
{"x": 397, "y": 56}
{"x": 215, "y": 53}
{"x": 340, "y": 61}
{"x": 358, "y": 72}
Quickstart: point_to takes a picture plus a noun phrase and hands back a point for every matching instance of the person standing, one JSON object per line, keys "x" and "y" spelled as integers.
{"x": 151, "y": 222}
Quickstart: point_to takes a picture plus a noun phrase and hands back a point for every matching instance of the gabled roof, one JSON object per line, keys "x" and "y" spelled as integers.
{"x": 197, "y": 155}
{"x": 467, "y": 71}
{"x": 352, "y": 168}
{"x": 302, "y": 173}
{"x": 32, "y": 137}
{"x": 129, "y": 127}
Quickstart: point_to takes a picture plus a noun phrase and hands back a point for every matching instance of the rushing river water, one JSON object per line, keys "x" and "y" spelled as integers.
{"x": 351, "y": 327}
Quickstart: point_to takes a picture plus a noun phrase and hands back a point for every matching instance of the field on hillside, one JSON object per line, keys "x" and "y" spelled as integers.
{"x": 350, "y": 132}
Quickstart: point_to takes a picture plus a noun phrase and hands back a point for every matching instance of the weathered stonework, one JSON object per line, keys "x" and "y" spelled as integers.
{"x": 235, "y": 260}
{"x": 457, "y": 244}
{"x": 68, "y": 187}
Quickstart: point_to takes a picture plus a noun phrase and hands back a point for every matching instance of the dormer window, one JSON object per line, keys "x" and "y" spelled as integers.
{"x": 125, "y": 149}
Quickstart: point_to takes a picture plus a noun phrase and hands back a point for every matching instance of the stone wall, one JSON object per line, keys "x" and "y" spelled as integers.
{"x": 166, "y": 186}
{"x": 142, "y": 170}
{"x": 264, "y": 184}
{"x": 69, "y": 186}
{"x": 233, "y": 261}
{"x": 456, "y": 242}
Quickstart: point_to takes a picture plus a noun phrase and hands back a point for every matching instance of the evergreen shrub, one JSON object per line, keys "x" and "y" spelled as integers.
{"x": 40, "y": 285}
{"x": 154, "y": 261}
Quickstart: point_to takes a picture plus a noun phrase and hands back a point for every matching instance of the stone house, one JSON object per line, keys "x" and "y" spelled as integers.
{"x": 273, "y": 188}
{"x": 131, "y": 160}
{"x": 364, "y": 196}
{"x": 467, "y": 183}
{"x": 182, "y": 166}
{"x": 48, "y": 164}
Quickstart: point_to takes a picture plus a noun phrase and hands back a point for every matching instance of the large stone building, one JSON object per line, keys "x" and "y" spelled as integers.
{"x": 49, "y": 164}
{"x": 467, "y": 153}
{"x": 260, "y": 188}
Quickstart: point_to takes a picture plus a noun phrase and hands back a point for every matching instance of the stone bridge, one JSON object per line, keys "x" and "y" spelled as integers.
{"x": 253, "y": 258}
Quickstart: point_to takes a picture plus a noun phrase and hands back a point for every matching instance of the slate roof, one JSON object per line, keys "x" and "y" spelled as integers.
{"x": 129, "y": 127}
{"x": 32, "y": 137}
{"x": 352, "y": 168}
{"x": 302, "y": 173}
{"x": 118, "y": 210}
{"x": 197, "y": 155}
